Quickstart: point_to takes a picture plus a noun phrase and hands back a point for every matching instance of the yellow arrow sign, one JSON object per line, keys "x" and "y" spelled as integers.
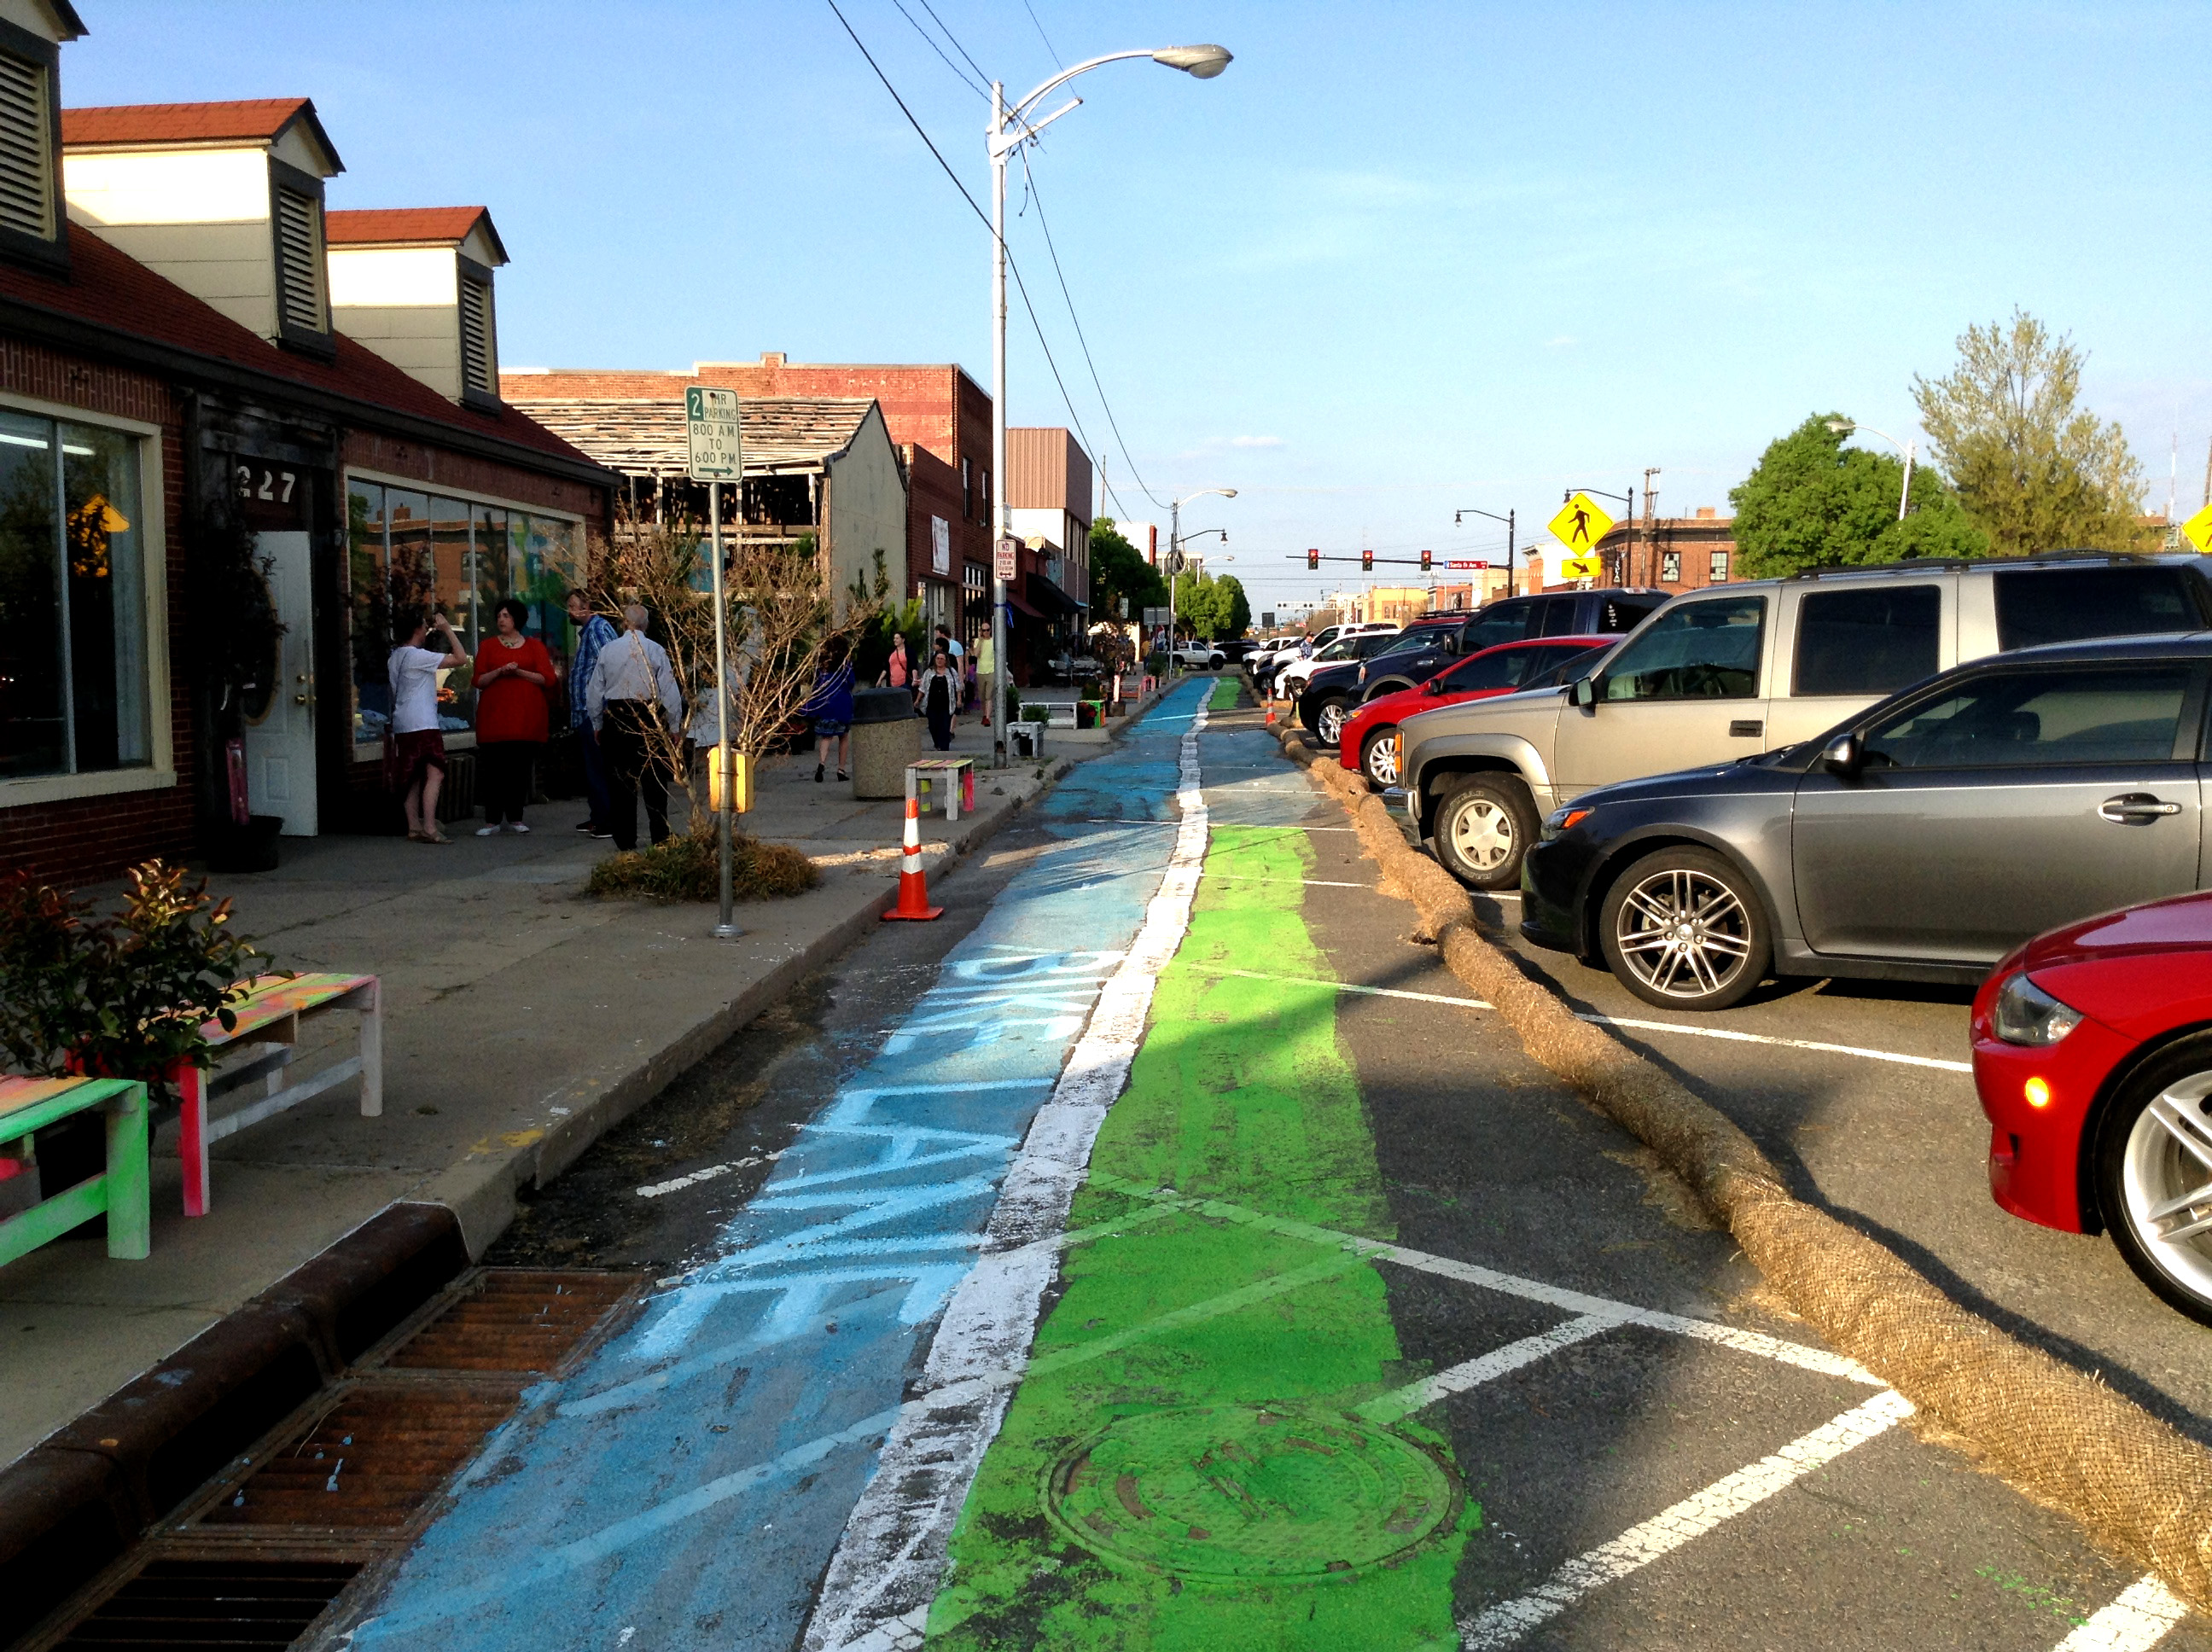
{"x": 1582, "y": 567}
{"x": 2197, "y": 530}
{"x": 1580, "y": 524}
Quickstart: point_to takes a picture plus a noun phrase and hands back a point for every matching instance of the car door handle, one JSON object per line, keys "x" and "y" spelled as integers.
{"x": 2135, "y": 807}
{"x": 1745, "y": 728}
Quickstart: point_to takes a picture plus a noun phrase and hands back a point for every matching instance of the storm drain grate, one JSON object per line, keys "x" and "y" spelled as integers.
{"x": 510, "y": 1320}
{"x": 214, "y": 1603}
{"x": 260, "y": 1555}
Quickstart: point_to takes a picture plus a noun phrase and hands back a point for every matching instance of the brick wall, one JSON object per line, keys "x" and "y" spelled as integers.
{"x": 86, "y": 839}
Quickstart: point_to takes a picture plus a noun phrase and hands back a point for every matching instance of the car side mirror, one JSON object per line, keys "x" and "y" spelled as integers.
{"x": 1586, "y": 691}
{"x": 1845, "y": 756}
{"x": 1434, "y": 685}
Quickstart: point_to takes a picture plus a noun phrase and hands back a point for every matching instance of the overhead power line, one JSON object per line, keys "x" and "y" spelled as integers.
{"x": 982, "y": 91}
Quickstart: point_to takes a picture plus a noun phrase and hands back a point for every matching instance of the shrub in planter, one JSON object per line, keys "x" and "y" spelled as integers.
{"x": 687, "y": 867}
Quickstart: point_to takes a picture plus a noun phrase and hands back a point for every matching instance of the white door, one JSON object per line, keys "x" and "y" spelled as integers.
{"x": 280, "y": 740}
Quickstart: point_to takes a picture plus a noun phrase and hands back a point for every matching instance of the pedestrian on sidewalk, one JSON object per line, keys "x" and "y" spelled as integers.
{"x": 634, "y": 706}
{"x": 415, "y": 761}
{"x": 946, "y": 644}
{"x": 937, "y": 693}
{"x": 514, "y": 672}
{"x": 831, "y": 706}
{"x": 895, "y": 672}
{"x": 593, "y": 633}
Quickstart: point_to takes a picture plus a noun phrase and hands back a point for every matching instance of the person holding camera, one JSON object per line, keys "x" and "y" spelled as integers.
{"x": 415, "y": 759}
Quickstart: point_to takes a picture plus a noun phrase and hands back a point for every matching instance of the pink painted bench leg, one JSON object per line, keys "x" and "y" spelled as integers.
{"x": 191, "y": 1141}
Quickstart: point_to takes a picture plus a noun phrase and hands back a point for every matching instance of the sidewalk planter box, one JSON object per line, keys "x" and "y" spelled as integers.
{"x": 251, "y": 847}
{"x": 886, "y": 737}
{"x": 1087, "y": 712}
{"x": 1027, "y": 739}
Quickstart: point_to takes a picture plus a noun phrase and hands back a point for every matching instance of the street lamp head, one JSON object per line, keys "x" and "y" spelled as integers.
{"x": 1203, "y": 62}
{"x": 1839, "y": 426}
{"x": 1229, "y": 493}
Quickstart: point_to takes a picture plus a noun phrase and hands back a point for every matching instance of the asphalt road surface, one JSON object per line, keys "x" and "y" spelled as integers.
{"x": 1360, "y": 1330}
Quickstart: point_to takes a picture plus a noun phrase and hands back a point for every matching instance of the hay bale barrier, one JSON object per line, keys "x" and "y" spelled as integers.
{"x": 2138, "y": 1487}
{"x": 687, "y": 867}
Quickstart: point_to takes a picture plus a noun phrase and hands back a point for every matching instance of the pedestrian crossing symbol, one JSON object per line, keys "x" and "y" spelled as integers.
{"x": 2197, "y": 530}
{"x": 1580, "y": 525}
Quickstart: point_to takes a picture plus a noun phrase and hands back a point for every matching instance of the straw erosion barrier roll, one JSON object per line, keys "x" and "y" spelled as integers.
{"x": 2135, "y": 1486}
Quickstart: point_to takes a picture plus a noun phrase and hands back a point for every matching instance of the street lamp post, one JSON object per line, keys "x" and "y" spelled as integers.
{"x": 1627, "y": 499}
{"x": 1175, "y": 554}
{"x": 1010, "y": 127}
{"x": 1905, "y": 494}
{"x": 1508, "y": 520}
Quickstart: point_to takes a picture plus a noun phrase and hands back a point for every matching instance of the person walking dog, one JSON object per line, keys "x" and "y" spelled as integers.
{"x": 513, "y": 672}
{"x": 634, "y": 703}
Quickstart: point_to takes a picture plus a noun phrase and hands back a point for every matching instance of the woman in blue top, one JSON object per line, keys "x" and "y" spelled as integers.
{"x": 831, "y": 706}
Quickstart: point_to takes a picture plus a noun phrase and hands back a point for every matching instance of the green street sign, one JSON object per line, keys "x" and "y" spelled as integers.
{"x": 710, "y": 425}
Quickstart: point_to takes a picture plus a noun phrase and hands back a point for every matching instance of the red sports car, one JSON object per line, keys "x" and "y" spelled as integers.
{"x": 2092, "y": 1052}
{"x": 1368, "y": 745}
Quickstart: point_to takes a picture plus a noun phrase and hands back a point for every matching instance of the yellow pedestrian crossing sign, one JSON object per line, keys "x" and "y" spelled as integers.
{"x": 2197, "y": 530}
{"x": 1579, "y": 525}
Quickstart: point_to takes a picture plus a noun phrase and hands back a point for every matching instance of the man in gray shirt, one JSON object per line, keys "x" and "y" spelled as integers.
{"x": 634, "y": 706}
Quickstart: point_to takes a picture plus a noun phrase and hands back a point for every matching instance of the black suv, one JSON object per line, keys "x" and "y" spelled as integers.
{"x": 1427, "y": 645}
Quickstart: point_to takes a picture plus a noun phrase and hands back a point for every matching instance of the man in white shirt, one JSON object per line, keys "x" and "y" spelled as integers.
{"x": 634, "y": 705}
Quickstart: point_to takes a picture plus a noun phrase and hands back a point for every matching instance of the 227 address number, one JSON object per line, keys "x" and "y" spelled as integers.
{"x": 275, "y": 485}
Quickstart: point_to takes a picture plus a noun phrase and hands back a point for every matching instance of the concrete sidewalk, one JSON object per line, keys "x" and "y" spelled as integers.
{"x": 522, "y": 1018}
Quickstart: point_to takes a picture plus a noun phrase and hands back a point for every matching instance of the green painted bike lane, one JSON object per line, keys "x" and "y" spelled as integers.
{"x": 1205, "y": 1483}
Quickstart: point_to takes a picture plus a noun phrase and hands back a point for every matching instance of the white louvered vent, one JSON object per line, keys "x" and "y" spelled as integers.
{"x": 300, "y": 261}
{"x": 479, "y": 348}
{"x": 26, "y": 171}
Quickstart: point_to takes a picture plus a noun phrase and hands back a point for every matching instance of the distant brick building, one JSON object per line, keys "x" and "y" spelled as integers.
{"x": 1675, "y": 553}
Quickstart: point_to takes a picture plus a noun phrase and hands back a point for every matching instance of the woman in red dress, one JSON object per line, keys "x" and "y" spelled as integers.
{"x": 513, "y": 674}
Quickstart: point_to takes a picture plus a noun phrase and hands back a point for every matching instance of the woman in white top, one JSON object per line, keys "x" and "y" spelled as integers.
{"x": 937, "y": 696}
{"x": 415, "y": 766}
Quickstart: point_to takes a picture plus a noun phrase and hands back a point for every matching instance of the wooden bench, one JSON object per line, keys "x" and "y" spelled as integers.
{"x": 121, "y": 1191}
{"x": 954, "y": 776}
{"x": 268, "y": 1033}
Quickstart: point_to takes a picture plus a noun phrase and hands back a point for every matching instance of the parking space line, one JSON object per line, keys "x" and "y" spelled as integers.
{"x": 1735, "y": 1037}
{"x": 1316, "y": 883}
{"x": 1485, "y": 1368}
{"x": 2144, "y": 1615}
{"x": 1348, "y": 987}
{"x": 1691, "y": 1518}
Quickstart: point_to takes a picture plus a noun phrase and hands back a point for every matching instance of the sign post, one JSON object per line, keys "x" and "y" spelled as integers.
{"x": 1006, "y": 553}
{"x": 717, "y": 455}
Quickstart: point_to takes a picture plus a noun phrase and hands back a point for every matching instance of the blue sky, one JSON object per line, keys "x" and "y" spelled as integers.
{"x": 1398, "y": 259}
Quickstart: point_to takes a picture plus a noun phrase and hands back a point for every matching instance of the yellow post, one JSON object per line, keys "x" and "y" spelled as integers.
{"x": 739, "y": 781}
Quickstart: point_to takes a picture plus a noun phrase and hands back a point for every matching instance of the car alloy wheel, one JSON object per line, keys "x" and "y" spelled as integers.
{"x": 1328, "y": 721}
{"x": 2155, "y": 1177}
{"x": 1378, "y": 755}
{"x": 1682, "y": 928}
{"x": 1483, "y": 826}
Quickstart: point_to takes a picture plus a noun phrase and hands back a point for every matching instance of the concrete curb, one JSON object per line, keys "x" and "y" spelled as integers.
{"x": 2134, "y": 1486}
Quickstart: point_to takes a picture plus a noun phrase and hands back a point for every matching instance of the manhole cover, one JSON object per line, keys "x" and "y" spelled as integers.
{"x": 1248, "y": 1492}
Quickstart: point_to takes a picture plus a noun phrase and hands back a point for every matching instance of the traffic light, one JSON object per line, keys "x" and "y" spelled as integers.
{"x": 1424, "y": 561}
{"x": 1313, "y": 558}
{"x": 1366, "y": 562}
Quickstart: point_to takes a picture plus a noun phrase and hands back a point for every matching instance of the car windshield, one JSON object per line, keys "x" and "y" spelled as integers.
{"x": 1406, "y": 641}
{"x": 1572, "y": 669}
{"x": 1342, "y": 648}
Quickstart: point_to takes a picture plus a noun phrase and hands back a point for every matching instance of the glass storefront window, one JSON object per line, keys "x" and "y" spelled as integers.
{"x": 73, "y": 645}
{"x": 372, "y": 609}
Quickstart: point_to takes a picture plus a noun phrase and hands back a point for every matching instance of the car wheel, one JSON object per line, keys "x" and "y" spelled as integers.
{"x": 1378, "y": 756}
{"x": 2153, "y": 1174}
{"x": 1328, "y": 719}
{"x": 1483, "y": 827}
{"x": 1685, "y": 930}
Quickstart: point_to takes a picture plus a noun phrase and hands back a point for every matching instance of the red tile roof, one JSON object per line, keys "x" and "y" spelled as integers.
{"x": 117, "y": 293}
{"x": 257, "y": 119}
{"x": 410, "y": 226}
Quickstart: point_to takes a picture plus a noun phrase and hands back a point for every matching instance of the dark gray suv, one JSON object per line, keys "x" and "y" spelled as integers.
{"x": 1921, "y": 840}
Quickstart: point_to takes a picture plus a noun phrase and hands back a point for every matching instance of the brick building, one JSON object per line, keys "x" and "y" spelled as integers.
{"x": 172, "y": 386}
{"x": 1675, "y": 553}
{"x": 939, "y": 418}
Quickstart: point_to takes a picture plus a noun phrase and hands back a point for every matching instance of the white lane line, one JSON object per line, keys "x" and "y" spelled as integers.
{"x": 1485, "y": 1368}
{"x": 1735, "y": 1037}
{"x": 1315, "y": 883}
{"x": 1691, "y": 1518}
{"x": 891, "y": 1557}
{"x": 1348, "y": 987}
{"x": 660, "y": 1189}
{"x": 2144, "y": 1615}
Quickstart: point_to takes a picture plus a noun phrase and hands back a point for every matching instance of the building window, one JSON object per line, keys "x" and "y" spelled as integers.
{"x": 967, "y": 493}
{"x": 1670, "y": 568}
{"x": 302, "y": 286}
{"x": 480, "y": 340}
{"x": 1720, "y": 568}
{"x": 73, "y": 642}
{"x": 27, "y": 152}
{"x": 975, "y": 603}
{"x": 407, "y": 548}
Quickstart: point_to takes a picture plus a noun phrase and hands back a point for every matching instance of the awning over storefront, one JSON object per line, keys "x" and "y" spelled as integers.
{"x": 1050, "y": 598}
{"x": 1021, "y": 607}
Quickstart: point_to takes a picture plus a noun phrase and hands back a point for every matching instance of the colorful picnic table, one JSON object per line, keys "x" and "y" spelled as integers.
{"x": 952, "y": 778}
{"x": 268, "y": 1026}
{"x": 121, "y": 1191}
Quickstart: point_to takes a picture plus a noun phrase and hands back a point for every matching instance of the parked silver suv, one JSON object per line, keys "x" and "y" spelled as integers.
{"x": 1735, "y": 670}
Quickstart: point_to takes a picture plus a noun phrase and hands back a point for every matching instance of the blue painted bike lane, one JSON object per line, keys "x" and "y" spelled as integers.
{"x": 688, "y": 1485}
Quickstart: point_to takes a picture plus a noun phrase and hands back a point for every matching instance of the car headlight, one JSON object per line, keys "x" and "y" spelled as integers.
{"x": 2025, "y": 1014}
{"x": 1562, "y": 821}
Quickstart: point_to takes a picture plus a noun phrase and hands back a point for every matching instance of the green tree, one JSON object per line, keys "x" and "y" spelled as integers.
{"x": 1213, "y": 608}
{"x": 1122, "y": 583}
{"x": 1812, "y": 503}
{"x": 2033, "y": 470}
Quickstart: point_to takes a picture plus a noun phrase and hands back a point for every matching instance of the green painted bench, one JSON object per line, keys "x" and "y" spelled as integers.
{"x": 28, "y": 1105}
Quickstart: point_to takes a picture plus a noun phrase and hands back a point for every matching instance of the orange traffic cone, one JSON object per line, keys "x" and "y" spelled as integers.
{"x": 914, "y": 888}
{"x": 1271, "y": 713}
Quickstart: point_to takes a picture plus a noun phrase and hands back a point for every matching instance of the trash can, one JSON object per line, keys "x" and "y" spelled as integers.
{"x": 886, "y": 737}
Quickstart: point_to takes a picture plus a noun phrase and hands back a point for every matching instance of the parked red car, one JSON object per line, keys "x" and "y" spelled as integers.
{"x": 2093, "y": 1053}
{"x": 1368, "y": 745}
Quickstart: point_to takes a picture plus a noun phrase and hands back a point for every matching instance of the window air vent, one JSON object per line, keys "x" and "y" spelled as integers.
{"x": 26, "y": 171}
{"x": 299, "y": 262}
{"x": 479, "y": 349}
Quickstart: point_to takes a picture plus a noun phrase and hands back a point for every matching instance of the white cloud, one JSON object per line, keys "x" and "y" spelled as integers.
{"x": 1255, "y": 441}
{"x": 1565, "y": 341}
